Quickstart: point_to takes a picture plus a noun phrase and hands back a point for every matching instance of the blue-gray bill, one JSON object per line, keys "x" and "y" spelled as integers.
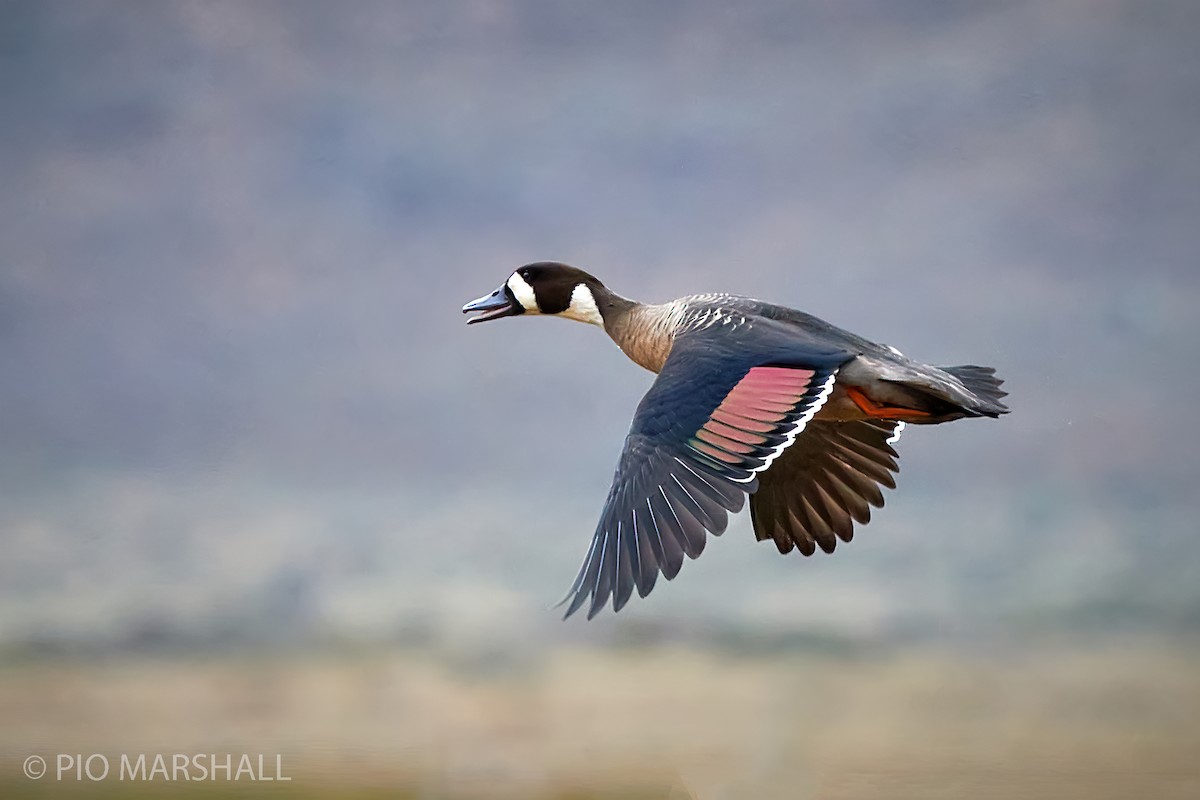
{"x": 499, "y": 303}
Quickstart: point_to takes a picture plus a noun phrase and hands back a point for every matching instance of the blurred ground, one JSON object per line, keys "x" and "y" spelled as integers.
{"x": 1114, "y": 720}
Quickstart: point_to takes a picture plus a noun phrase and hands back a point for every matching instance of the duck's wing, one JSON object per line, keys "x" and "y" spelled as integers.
{"x": 721, "y": 410}
{"x": 820, "y": 486}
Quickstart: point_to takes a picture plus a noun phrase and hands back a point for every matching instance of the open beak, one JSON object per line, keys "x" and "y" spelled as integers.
{"x": 499, "y": 303}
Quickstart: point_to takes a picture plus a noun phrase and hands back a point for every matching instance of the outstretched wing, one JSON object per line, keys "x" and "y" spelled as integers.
{"x": 721, "y": 411}
{"x": 828, "y": 480}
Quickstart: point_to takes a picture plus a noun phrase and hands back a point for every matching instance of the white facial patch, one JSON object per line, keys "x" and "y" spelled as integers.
{"x": 583, "y": 306}
{"x": 524, "y": 293}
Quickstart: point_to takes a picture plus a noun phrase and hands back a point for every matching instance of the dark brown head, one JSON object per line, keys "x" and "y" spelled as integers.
{"x": 546, "y": 287}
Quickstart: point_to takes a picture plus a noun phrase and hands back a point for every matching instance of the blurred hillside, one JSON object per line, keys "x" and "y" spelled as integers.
{"x": 241, "y": 404}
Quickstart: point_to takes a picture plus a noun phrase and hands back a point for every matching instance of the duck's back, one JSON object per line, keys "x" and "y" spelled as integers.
{"x": 706, "y": 310}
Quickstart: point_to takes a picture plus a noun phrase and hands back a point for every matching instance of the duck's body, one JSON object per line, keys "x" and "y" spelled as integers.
{"x": 917, "y": 392}
{"x": 752, "y": 398}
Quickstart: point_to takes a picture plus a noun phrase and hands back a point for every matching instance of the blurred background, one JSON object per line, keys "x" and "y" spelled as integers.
{"x": 261, "y": 489}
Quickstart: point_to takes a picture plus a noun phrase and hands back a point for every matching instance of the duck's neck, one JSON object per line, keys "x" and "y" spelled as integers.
{"x": 644, "y": 332}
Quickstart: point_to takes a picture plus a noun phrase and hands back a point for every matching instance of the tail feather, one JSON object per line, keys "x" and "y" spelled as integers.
{"x": 983, "y": 383}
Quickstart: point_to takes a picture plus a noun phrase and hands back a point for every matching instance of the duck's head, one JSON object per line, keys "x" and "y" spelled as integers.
{"x": 546, "y": 287}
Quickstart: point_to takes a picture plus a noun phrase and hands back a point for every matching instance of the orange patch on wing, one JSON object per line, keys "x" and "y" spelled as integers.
{"x": 879, "y": 411}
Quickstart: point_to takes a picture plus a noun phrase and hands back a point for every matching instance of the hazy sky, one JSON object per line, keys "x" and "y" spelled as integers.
{"x": 234, "y": 239}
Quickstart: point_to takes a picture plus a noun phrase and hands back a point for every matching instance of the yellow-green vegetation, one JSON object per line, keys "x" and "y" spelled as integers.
{"x": 1095, "y": 721}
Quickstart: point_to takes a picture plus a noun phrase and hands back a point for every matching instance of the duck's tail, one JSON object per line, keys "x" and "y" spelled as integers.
{"x": 983, "y": 383}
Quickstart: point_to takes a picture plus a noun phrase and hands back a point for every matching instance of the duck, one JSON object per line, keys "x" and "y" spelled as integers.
{"x": 751, "y": 401}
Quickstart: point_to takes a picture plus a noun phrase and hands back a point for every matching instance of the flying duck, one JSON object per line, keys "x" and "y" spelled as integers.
{"x": 751, "y": 399}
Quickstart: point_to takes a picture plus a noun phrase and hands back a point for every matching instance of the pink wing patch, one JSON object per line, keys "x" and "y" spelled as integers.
{"x": 752, "y": 412}
{"x": 767, "y": 394}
